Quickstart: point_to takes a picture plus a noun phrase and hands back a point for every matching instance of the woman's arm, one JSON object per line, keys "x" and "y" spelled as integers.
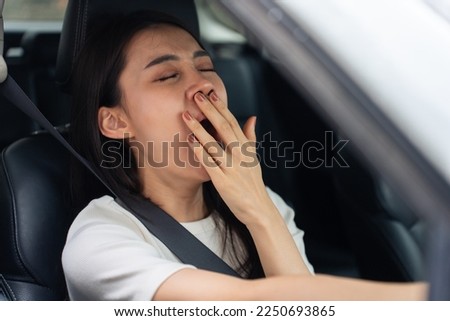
{"x": 276, "y": 248}
{"x": 202, "y": 285}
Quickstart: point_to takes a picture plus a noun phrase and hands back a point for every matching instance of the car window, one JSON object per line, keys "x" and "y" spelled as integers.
{"x": 214, "y": 25}
{"x": 34, "y": 10}
{"x": 380, "y": 82}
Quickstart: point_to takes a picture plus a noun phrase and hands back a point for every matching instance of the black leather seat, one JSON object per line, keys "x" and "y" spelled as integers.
{"x": 34, "y": 218}
{"x": 34, "y": 184}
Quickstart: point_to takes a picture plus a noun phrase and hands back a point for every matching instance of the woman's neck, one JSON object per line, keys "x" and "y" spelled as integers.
{"x": 184, "y": 202}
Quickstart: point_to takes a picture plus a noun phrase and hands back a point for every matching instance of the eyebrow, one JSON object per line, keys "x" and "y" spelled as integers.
{"x": 200, "y": 53}
{"x": 169, "y": 57}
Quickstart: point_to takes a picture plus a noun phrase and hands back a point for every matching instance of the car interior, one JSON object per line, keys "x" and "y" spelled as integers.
{"x": 355, "y": 225}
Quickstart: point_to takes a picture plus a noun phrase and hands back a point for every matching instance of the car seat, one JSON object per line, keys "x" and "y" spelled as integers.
{"x": 31, "y": 62}
{"x": 13, "y": 123}
{"x": 34, "y": 218}
{"x": 389, "y": 239}
{"x": 34, "y": 208}
{"x": 39, "y": 60}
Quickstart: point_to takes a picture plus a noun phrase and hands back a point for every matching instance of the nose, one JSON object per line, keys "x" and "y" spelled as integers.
{"x": 198, "y": 83}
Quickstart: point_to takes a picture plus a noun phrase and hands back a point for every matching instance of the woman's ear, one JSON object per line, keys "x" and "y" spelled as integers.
{"x": 113, "y": 123}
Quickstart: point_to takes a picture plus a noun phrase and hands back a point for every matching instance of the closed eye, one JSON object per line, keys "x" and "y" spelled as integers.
{"x": 164, "y": 78}
{"x": 174, "y": 75}
{"x": 207, "y": 70}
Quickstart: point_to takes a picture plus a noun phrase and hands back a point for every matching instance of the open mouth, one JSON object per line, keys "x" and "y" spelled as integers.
{"x": 210, "y": 129}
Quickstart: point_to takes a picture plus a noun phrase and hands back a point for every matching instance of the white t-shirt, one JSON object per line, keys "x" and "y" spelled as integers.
{"x": 110, "y": 255}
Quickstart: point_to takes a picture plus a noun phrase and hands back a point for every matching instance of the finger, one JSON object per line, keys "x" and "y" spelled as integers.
{"x": 250, "y": 133}
{"x": 208, "y": 143}
{"x": 220, "y": 117}
{"x": 228, "y": 115}
{"x": 207, "y": 161}
{"x": 249, "y": 129}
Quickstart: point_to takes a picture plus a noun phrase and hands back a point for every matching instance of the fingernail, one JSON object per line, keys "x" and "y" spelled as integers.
{"x": 187, "y": 115}
{"x": 214, "y": 96}
{"x": 192, "y": 138}
{"x": 200, "y": 97}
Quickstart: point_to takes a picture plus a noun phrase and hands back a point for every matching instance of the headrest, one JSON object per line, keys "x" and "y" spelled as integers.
{"x": 81, "y": 15}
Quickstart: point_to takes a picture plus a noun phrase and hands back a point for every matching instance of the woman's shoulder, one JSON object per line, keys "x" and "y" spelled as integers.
{"x": 102, "y": 208}
{"x": 101, "y": 212}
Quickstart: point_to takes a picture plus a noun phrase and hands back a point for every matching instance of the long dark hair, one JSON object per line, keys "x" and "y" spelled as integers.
{"x": 95, "y": 84}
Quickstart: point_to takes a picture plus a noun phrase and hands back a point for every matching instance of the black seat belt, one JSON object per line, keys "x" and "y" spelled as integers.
{"x": 180, "y": 241}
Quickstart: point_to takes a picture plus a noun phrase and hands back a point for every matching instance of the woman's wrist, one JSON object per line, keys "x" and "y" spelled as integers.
{"x": 264, "y": 218}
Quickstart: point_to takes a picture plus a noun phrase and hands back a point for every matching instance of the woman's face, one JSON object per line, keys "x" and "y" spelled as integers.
{"x": 164, "y": 68}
